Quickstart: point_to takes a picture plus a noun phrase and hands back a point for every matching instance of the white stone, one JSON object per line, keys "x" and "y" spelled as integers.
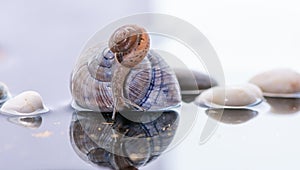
{"x": 278, "y": 81}
{"x": 237, "y": 95}
{"x": 25, "y": 103}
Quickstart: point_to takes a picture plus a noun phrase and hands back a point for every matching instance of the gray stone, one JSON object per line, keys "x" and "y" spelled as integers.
{"x": 192, "y": 83}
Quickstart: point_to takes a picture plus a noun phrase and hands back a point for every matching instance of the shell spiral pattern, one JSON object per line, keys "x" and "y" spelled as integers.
{"x": 130, "y": 43}
{"x": 151, "y": 84}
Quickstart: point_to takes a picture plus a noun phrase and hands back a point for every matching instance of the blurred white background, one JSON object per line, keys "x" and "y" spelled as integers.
{"x": 249, "y": 35}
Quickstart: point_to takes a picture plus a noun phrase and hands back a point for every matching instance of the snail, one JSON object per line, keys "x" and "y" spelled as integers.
{"x": 130, "y": 44}
{"x": 123, "y": 73}
{"x": 121, "y": 143}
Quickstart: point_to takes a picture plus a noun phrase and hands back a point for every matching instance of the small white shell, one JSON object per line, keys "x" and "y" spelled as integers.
{"x": 26, "y": 103}
{"x": 238, "y": 96}
{"x": 278, "y": 83}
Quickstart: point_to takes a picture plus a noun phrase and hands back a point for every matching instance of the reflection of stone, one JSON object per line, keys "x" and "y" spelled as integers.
{"x": 192, "y": 83}
{"x": 28, "y": 122}
{"x": 284, "y": 105}
{"x": 121, "y": 144}
{"x": 231, "y": 116}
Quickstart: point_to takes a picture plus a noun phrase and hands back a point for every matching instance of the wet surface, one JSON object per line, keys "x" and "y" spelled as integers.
{"x": 45, "y": 141}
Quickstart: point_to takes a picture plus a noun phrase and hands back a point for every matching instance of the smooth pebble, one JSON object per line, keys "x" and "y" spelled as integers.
{"x": 278, "y": 81}
{"x": 26, "y": 103}
{"x": 235, "y": 96}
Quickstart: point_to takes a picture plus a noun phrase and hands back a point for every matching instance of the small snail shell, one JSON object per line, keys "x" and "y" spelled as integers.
{"x": 98, "y": 79}
{"x": 130, "y": 43}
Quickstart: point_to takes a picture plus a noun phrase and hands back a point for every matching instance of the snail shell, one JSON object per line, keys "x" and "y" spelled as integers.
{"x": 151, "y": 84}
{"x": 130, "y": 43}
{"x": 121, "y": 143}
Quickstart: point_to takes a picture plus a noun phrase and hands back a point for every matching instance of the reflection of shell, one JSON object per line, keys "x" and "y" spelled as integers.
{"x": 151, "y": 84}
{"x": 121, "y": 143}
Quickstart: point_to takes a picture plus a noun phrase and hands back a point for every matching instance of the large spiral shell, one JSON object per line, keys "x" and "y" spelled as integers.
{"x": 151, "y": 84}
{"x": 121, "y": 144}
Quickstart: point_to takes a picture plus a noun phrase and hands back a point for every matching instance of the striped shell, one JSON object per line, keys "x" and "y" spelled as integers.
{"x": 130, "y": 43}
{"x": 121, "y": 144}
{"x": 151, "y": 84}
